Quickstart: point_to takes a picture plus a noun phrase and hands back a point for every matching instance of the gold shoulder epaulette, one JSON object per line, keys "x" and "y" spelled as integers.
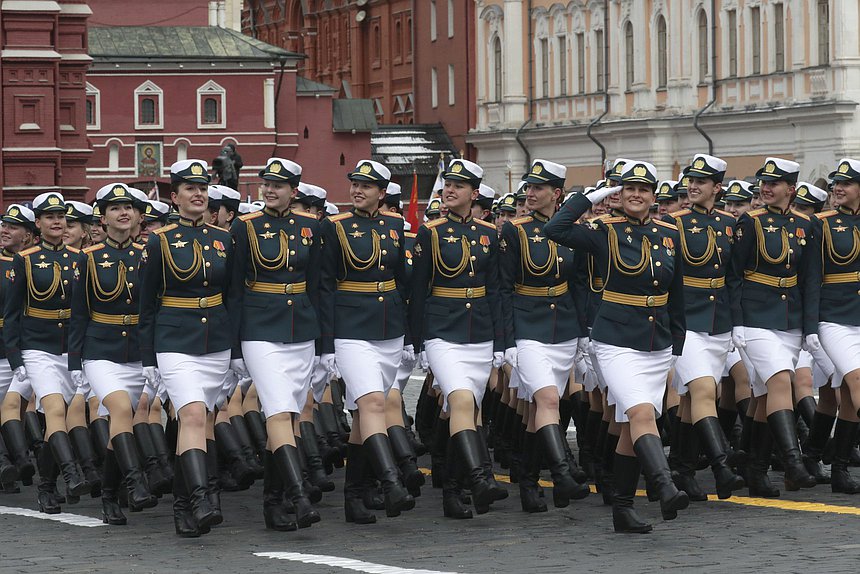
{"x": 216, "y": 228}
{"x": 340, "y": 216}
{"x": 801, "y": 215}
{"x": 612, "y": 219}
{"x": 73, "y": 249}
{"x": 92, "y": 248}
{"x": 165, "y": 229}
{"x": 603, "y": 217}
{"x": 252, "y": 215}
{"x": 435, "y": 222}
{"x": 757, "y": 212}
{"x": 665, "y": 224}
{"x": 522, "y": 220}
{"x": 680, "y": 213}
{"x": 826, "y": 214}
{"x": 723, "y": 212}
{"x": 410, "y": 235}
{"x": 139, "y": 245}
{"x": 4, "y": 258}
{"x": 29, "y": 251}
{"x": 304, "y": 214}
{"x": 485, "y": 223}
{"x": 391, "y": 214}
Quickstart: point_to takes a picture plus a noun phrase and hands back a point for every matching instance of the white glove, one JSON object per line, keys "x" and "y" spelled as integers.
{"x": 596, "y": 197}
{"x": 498, "y": 359}
{"x": 327, "y": 361}
{"x": 423, "y": 361}
{"x": 581, "y": 349}
{"x": 812, "y": 343}
{"x": 78, "y": 378}
{"x": 238, "y": 367}
{"x": 408, "y": 354}
{"x": 316, "y": 362}
{"x": 510, "y": 357}
{"x": 20, "y": 373}
{"x": 738, "y": 337}
{"x": 151, "y": 375}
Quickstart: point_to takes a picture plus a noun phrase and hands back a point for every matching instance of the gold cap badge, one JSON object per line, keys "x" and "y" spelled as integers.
{"x": 457, "y": 167}
{"x": 13, "y": 212}
{"x": 699, "y": 164}
{"x": 197, "y": 169}
{"x": 275, "y": 167}
{"x": 365, "y": 168}
{"x": 640, "y": 171}
{"x": 53, "y": 200}
{"x": 538, "y": 168}
{"x": 770, "y": 167}
{"x": 843, "y": 168}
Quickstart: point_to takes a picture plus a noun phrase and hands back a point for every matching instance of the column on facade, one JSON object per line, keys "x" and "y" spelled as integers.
{"x": 515, "y": 57}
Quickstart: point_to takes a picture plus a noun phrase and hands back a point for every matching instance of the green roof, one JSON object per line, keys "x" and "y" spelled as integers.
{"x": 180, "y": 42}
{"x": 306, "y": 86}
{"x": 353, "y": 114}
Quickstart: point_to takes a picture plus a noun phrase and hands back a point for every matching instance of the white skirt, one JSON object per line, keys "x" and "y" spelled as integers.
{"x": 227, "y": 389}
{"x": 733, "y": 358}
{"x": 598, "y": 374}
{"x": 842, "y": 345}
{"x": 589, "y": 380}
{"x": 49, "y": 374}
{"x": 367, "y": 366}
{"x": 770, "y": 352}
{"x": 542, "y": 365}
{"x": 579, "y": 370}
{"x": 107, "y": 377}
{"x": 6, "y": 378}
{"x": 634, "y": 377}
{"x": 320, "y": 378}
{"x": 819, "y": 363}
{"x": 704, "y": 356}
{"x": 193, "y": 378}
{"x": 404, "y": 371}
{"x": 281, "y": 373}
{"x": 460, "y": 367}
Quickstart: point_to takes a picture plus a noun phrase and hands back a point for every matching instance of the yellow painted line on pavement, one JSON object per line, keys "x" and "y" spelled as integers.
{"x": 779, "y": 504}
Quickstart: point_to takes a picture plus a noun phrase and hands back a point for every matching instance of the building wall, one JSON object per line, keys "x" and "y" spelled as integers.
{"x": 149, "y": 13}
{"x": 805, "y": 108}
{"x": 446, "y": 28}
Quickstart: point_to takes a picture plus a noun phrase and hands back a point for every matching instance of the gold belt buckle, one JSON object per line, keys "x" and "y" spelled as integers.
{"x": 126, "y": 319}
{"x": 470, "y": 293}
{"x": 203, "y": 302}
{"x": 550, "y": 292}
{"x": 783, "y": 281}
{"x": 288, "y": 289}
{"x": 380, "y": 287}
{"x": 649, "y": 301}
{"x": 65, "y": 313}
{"x": 715, "y": 283}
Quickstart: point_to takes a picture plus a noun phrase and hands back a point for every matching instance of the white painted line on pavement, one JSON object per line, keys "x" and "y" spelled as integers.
{"x": 64, "y": 517}
{"x": 346, "y": 563}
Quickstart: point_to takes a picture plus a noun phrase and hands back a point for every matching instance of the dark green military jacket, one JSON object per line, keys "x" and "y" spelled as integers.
{"x": 185, "y": 271}
{"x": 706, "y": 245}
{"x": 455, "y": 283}
{"x": 106, "y": 304}
{"x": 537, "y": 285}
{"x": 837, "y": 249}
{"x": 363, "y": 290}
{"x": 6, "y": 264}
{"x": 409, "y": 253}
{"x": 38, "y": 301}
{"x": 773, "y": 261}
{"x": 641, "y": 267}
{"x": 274, "y": 291}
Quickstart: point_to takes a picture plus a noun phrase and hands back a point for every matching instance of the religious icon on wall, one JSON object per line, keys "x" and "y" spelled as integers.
{"x": 149, "y": 159}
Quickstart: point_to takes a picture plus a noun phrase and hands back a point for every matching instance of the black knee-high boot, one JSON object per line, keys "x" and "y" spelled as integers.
{"x": 813, "y": 449}
{"x": 711, "y": 436}
{"x": 330, "y": 452}
{"x": 530, "y": 499}
{"x": 83, "y": 446}
{"x": 16, "y": 442}
{"x": 406, "y": 459}
{"x": 313, "y": 458}
{"x": 8, "y": 471}
{"x": 99, "y": 437}
{"x": 155, "y": 477}
{"x": 624, "y": 516}
{"x": 193, "y": 463}
{"x": 159, "y": 441}
{"x": 125, "y": 455}
{"x": 649, "y": 451}
{"x": 183, "y": 514}
{"x": 607, "y": 467}
{"x": 213, "y": 489}
{"x": 805, "y": 409}
{"x": 257, "y": 429}
{"x": 111, "y": 483}
{"x": 35, "y": 430}
{"x": 61, "y": 448}
{"x": 287, "y": 459}
{"x": 498, "y": 491}
{"x": 564, "y": 486}
{"x": 47, "y": 482}
{"x": 599, "y": 449}
{"x": 686, "y": 460}
{"x": 240, "y": 426}
{"x": 353, "y": 487}
{"x": 843, "y": 439}
{"x": 588, "y": 455}
{"x": 469, "y": 454}
{"x": 228, "y": 445}
{"x": 782, "y": 427}
{"x": 397, "y": 498}
{"x": 452, "y": 499}
{"x": 759, "y": 461}
{"x": 275, "y": 511}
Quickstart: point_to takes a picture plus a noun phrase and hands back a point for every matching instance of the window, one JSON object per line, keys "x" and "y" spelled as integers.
{"x": 452, "y": 84}
{"x": 733, "y": 43}
{"x": 432, "y": 20}
{"x": 779, "y": 38}
{"x": 580, "y": 63}
{"x": 434, "y": 88}
{"x": 497, "y": 69}
{"x": 755, "y": 25}
{"x": 113, "y": 157}
{"x": 376, "y": 46}
{"x": 450, "y": 18}
{"x": 703, "y": 46}
{"x": 93, "y": 110}
{"x": 629, "y": 55}
{"x": 409, "y": 37}
{"x": 398, "y": 40}
{"x": 562, "y": 66}
{"x": 181, "y": 151}
{"x": 599, "y": 61}
{"x": 211, "y": 106}
{"x": 148, "y": 107}
{"x": 662, "y": 57}
{"x": 544, "y": 67}
{"x": 823, "y": 32}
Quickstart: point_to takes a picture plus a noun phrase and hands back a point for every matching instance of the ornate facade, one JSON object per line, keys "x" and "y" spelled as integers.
{"x": 766, "y": 78}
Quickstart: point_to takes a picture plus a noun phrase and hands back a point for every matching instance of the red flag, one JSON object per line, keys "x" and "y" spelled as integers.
{"x": 412, "y": 215}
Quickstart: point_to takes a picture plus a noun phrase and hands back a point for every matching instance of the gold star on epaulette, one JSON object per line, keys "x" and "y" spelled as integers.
{"x": 179, "y": 244}
{"x": 267, "y": 235}
{"x": 43, "y": 265}
{"x": 770, "y": 229}
{"x": 357, "y": 234}
{"x": 355, "y": 226}
{"x": 840, "y": 228}
{"x": 267, "y": 225}
{"x": 695, "y": 229}
{"x": 106, "y": 264}
{"x": 536, "y": 238}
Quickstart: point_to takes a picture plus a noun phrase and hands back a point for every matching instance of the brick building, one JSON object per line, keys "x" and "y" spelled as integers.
{"x": 43, "y": 64}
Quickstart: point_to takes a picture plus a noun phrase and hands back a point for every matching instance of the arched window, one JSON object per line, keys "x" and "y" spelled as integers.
{"x": 181, "y": 151}
{"x": 210, "y": 111}
{"x": 398, "y": 39}
{"x": 629, "y": 54}
{"x": 703, "y": 46}
{"x": 147, "y": 111}
{"x": 497, "y": 69}
{"x": 113, "y": 157}
{"x": 662, "y": 57}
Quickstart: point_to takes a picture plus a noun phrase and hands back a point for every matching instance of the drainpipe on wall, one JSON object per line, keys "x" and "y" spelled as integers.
{"x": 597, "y": 120}
{"x": 275, "y": 111}
{"x": 531, "y": 89}
{"x": 713, "y": 79}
